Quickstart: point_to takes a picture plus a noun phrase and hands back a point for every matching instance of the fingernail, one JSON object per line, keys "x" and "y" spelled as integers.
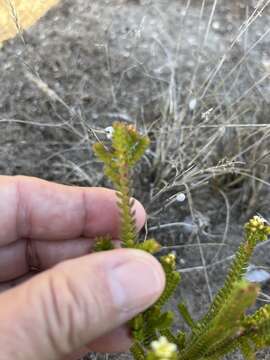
{"x": 136, "y": 284}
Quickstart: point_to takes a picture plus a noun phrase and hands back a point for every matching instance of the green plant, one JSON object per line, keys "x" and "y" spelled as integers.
{"x": 225, "y": 327}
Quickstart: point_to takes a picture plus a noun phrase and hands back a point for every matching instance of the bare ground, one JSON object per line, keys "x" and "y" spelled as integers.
{"x": 193, "y": 74}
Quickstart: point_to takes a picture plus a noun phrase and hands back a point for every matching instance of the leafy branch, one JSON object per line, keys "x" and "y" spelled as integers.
{"x": 225, "y": 327}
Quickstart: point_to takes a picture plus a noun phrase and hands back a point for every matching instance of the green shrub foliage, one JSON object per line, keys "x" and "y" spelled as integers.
{"x": 225, "y": 327}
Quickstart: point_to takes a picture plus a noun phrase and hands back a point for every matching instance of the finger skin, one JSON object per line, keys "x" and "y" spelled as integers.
{"x": 61, "y": 221}
{"x": 118, "y": 340}
{"x": 42, "y": 210}
{"x": 13, "y": 261}
{"x": 69, "y": 306}
{"x": 47, "y": 201}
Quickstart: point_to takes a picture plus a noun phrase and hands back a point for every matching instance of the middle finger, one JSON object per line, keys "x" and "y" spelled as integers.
{"x": 14, "y": 261}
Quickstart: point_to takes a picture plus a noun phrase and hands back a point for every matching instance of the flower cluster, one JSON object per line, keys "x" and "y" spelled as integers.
{"x": 258, "y": 227}
{"x": 170, "y": 259}
{"x": 163, "y": 349}
{"x": 257, "y": 223}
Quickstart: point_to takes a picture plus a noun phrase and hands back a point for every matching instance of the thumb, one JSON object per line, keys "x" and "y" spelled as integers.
{"x": 77, "y": 301}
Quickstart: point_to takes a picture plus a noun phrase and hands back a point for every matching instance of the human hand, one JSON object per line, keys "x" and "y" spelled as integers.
{"x": 82, "y": 303}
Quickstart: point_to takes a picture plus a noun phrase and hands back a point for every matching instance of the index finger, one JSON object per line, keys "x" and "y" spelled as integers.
{"x": 42, "y": 210}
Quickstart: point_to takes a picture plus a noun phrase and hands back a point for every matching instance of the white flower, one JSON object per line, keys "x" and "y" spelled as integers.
{"x": 180, "y": 197}
{"x": 192, "y": 104}
{"x": 109, "y": 132}
{"x": 163, "y": 349}
{"x": 257, "y": 222}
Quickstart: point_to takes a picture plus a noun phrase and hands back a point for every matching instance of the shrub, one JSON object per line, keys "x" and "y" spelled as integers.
{"x": 226, "y": 326}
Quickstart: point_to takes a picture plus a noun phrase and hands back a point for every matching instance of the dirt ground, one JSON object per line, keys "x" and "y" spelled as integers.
{"x": 194, "y": 75}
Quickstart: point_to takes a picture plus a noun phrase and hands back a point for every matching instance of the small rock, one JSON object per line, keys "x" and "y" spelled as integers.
{"x": 254, "y": 274}
{"x": 192, "y": 104}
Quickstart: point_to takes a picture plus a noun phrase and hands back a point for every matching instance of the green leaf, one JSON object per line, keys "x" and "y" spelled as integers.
{"x": 186, "y": 315}
{"x": 150, "y": 245}
{"x": 164, "y": 321}
{"x": 103, "y": 243}
{"x": 225, "y": 325}
{"x": 181, "y": 339}
{"x": 247, "y": 349}
{"x": 137, "y": 351}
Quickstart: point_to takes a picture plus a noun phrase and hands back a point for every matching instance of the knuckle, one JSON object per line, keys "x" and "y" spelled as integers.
{"x": 63, "y": 307}
{"x": 77, "y": 310}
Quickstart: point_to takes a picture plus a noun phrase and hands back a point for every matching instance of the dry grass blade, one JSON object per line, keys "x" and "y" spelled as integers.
{"x": 17, "y": 15}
